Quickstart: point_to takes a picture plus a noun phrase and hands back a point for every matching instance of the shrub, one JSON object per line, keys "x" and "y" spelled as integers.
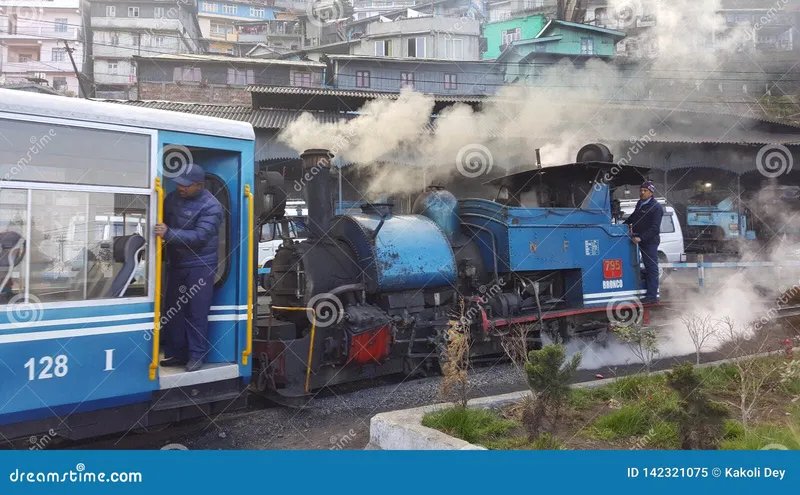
{"x": 549, "y": 377}
{"x": 700, "y": 420}
{"x": 642, "y": 341}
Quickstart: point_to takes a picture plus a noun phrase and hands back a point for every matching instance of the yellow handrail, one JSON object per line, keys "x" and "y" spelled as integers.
{"x": 250, "y": 280}
{"x": 157, "y": 294}
{"x": 311, "y": 343}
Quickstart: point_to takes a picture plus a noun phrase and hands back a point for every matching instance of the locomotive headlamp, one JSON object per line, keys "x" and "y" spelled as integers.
{"x": 269, "y": 188}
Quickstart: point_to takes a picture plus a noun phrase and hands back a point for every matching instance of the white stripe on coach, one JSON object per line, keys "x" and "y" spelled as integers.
{"x": 73, "y": 321}
{"x": 74, "y": 333}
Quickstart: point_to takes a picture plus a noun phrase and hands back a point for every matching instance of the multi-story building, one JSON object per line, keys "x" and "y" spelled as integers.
{"x": 120, "y": 29}
{"x": 235, "y": 27}
{"x": 218, "y": 78}
{"x": 430, "y": 76}
{"x": 441, "y": 37}
{"x": 527, "y": 45}
{"x": 34, "y": 39}
{"x": 364, "y": 9}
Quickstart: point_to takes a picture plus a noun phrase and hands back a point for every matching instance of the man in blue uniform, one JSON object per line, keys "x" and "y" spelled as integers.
{"x": 645, "y": 229}
{"x": 192, "y": 218}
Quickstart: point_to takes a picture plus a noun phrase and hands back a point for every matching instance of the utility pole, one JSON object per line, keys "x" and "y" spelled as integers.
{"x": 75, "y": 68}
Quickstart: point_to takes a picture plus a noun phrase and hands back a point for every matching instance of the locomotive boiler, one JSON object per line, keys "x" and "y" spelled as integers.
{"x": 374, "y": 293}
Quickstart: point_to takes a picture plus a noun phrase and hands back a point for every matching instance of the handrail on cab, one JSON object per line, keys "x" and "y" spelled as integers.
{"x": 250, "y": 277}
{"x": 311, "y": 342}
{"x": 157, "y": 294}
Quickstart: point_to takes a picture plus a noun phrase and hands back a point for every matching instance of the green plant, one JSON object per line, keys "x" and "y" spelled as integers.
{"x": 549, "y": 377}
{"x": 700, "y": 420}
{"x": 663, "y": 435}
{"x": 732, "y": 429}
{"x": 642, "y": 341}
{"x": 756, "y": 376}
{"x": 471, "y": 425}
{"x": 764, "y": 436}
{"x": 546, "y": 441}
{"x": 627, "y": 422}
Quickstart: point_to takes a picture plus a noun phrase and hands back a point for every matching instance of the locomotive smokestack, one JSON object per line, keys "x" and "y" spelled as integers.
{"x": 316, "y": 174}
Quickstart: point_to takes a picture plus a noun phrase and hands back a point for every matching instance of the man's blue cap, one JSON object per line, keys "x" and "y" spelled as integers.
{"x": 191, "y": 174}
{"x": 648, "y": 185}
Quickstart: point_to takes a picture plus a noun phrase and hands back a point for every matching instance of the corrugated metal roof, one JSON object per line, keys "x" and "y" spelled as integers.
{"x": 264, "y": 118}
{"x": 191, "y": 57}
{"x": 353, "y": 94}
{"x": 693, "y": 128}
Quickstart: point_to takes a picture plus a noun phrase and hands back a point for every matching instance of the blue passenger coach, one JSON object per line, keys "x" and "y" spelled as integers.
{"x": 82, "y": 186}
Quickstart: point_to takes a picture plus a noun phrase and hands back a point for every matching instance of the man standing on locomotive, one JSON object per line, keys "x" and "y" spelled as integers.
{"x": 192, "y": 219}
{"x": 644, "y": 225}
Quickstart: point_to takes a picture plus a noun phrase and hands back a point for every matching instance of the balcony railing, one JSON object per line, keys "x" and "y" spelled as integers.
{"x": 48, "y": 31}
{"x": 47, "y": 66}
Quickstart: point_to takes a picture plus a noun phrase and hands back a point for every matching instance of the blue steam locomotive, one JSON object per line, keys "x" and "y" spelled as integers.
{"x": 367, "y": 294}
{"x": 374, "y": 293}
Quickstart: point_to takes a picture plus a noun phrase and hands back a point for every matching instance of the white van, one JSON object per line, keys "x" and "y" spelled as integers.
{"x": 670, "y": 250}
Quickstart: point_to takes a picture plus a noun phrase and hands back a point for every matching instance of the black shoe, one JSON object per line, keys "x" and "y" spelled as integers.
{"x": 173, "y": 361}
{"x": 194, "y": 365}
{"x": 648, "y": 300}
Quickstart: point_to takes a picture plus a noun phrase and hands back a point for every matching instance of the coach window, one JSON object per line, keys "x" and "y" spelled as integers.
{"x": 70, "y": 193}
{"x": 40, "y": 152}
{"x": 13, "y": 231}
{"x": 75, "y": 233}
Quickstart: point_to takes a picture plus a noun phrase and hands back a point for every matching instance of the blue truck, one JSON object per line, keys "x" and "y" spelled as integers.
{"x": 714, "y": 224}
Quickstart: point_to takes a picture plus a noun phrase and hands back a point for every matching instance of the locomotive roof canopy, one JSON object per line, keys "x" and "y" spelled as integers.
{"x": 571, "y": 173}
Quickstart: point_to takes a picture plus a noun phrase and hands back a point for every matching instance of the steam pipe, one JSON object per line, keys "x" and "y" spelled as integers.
{"x": 316, "y": 171}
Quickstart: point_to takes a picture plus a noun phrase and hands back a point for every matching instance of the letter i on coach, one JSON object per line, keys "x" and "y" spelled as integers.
{"x": 633, "y": 472}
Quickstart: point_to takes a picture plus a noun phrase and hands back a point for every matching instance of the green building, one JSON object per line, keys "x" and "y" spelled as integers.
{"x": 526, "y": 45}
{"x": 500, "y": 33}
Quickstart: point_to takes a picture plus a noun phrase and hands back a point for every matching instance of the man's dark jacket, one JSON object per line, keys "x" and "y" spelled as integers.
{"x": 192, "y": 238}
{"x": 646, "y": 221}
